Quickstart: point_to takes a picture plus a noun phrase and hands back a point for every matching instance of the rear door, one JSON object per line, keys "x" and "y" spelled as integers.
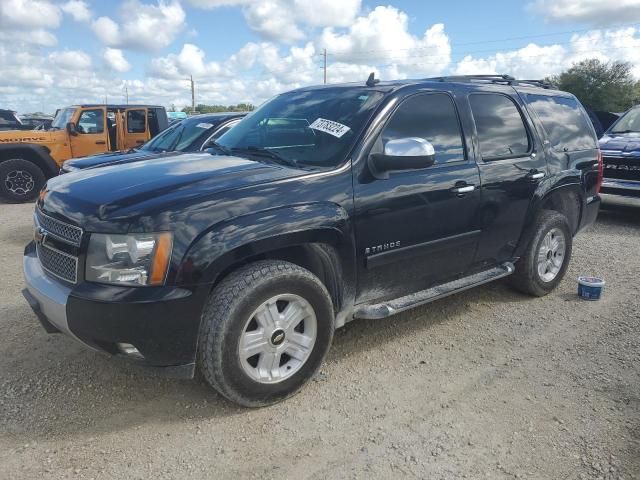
{"x": 91, "y": 134}
{"x": 511, "y": 162}
{"x": 135, "y": 127}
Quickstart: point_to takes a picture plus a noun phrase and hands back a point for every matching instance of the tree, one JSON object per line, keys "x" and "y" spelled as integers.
{"x": 202, "y": 108}
{"x": 607, "y": 86}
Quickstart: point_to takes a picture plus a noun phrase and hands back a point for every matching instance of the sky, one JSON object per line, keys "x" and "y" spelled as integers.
{"x": 55, "y": 53}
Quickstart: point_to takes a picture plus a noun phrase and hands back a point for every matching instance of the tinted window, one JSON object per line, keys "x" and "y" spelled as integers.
{"x": 135, "y": 121}
{"x": 91, "y": 121}
{"x": 432, "y": 117}
{"x": 501, "y": 131}
{"x": 567, "y": 127}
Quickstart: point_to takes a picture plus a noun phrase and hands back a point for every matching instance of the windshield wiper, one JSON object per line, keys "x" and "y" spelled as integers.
{"x": 220, "y": 148}
{"x": 624, "y": 131}
{"x": 260, "y": 151}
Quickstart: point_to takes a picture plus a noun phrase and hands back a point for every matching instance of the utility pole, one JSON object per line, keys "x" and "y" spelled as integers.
{"x": 193, "y": 96}
{"x": 324, "y": 54}
{"x": 126, "y": 93}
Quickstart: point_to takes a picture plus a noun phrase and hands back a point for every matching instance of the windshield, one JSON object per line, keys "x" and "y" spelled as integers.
{"x": 307, "y": 128}
{"x": 63, "y": 117}
{"x": 628, "y": 123}
{"x": 178, "y": 137}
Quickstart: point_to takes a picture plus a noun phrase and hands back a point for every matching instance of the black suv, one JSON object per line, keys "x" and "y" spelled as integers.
{"x": 189, "y": 135}
{"x": 326, "y": 204}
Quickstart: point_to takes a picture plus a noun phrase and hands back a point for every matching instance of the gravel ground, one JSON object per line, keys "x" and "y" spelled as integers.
{"x": 485, "y": 384}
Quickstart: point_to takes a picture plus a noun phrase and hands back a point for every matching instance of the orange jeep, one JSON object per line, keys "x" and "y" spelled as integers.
{"x": 29, "y": 158}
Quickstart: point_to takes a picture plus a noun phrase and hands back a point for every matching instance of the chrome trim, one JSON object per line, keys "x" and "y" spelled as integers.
{"x": 51, "y": 296}
{"x": 53, "y": 234}
{"x": 621, "y": 184}
{"x": 75, "y": 259}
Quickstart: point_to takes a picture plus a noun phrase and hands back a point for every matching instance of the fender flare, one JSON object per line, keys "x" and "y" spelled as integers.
{"x": 233, "y": 241}
{"x": 543, "y": 194}
{"x": 37, "y": 154}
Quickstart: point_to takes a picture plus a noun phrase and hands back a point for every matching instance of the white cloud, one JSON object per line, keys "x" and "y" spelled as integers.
{"x": 383, "y": 38}
{"x": 73, "y": 60}
{"x": 286, "y": 20}
{"x": 535, "y": 61}
{"x": 190, "y": 61}
{"x": 143, "y": 26}
{"x": 596, "y": 12}
{"x": 29, "y": 14}
{"x": 115, "y": 60}
{"x": 78, "y": 9}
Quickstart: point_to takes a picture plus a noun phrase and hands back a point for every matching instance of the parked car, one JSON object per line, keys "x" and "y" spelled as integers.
{"x": 10, "y": 121}
{"x": 29, "y": 158}
{"x": 37, "y": 121}
{"x": 325, "y": 205}
{"x": 620, "y": 147}
{"x": 190, "y": 135}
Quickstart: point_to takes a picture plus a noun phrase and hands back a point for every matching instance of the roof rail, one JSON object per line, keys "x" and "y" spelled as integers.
{"x": 504, "y": 79}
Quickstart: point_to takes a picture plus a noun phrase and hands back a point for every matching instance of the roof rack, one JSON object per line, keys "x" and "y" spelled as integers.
{"x": 503, "y": 79}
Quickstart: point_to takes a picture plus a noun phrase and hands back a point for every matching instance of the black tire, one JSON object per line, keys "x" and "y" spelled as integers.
{"x": 232, "y": 304}
{"x": 527, "y": 278}
{"x": 20, "y": 180}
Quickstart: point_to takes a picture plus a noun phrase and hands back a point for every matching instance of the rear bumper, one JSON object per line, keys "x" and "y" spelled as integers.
{"x": 624, "y": 188}
{"x": 161, "y": 322}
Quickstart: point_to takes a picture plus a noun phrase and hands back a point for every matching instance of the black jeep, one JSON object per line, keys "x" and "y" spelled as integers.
{"x": 326, "y": 204}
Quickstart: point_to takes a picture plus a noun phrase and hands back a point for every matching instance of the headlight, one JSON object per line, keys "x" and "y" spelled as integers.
{"x": 134, "y": 259}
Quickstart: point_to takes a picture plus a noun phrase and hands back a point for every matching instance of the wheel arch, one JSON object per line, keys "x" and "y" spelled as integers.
{"x": 567, "y": 199}
{"x": 317, "y": 237}
{"x": 36, "y": 154}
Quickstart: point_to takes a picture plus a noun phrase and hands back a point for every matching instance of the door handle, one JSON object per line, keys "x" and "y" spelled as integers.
{"x": 535, "y": 175}
{"x": 101, "y": 142}
{"x": 463, "y": 189}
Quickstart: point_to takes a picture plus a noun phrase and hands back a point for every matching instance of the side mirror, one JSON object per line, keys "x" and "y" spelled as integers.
{"x": 410, "y": 153}
{"x": 71, "y": 128}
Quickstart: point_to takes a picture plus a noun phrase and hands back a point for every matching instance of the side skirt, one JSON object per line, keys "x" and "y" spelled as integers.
{"x": 397, "y": 305}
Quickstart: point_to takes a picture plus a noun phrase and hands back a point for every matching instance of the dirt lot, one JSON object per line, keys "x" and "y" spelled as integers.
{"x": 485, "y": 384}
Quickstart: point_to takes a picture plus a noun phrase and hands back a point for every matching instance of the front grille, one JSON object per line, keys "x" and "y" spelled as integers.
{"x": 57, "y": 263}
{"x": 61, "y": 230}
{"x": 621, "y": 168}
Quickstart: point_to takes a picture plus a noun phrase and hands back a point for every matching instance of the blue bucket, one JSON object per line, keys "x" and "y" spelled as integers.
{"x": 590, "y": 288}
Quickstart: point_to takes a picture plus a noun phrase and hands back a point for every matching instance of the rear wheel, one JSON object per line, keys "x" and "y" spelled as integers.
{"x": 265, "y": 331}
{"x": 547, "y": 256}
{"x": 20, "y": 180}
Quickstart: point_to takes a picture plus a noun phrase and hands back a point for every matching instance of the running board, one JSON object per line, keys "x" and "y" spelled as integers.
{"x": 386, "y": 309}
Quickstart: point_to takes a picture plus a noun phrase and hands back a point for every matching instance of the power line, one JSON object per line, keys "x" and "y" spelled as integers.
{"x": 497, "y": 40}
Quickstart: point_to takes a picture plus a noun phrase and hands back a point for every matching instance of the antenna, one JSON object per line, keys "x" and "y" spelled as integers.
{"x": 372, "y": 81}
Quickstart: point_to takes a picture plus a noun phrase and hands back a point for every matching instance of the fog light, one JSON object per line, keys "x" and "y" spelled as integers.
{"x": 129, "y": 350}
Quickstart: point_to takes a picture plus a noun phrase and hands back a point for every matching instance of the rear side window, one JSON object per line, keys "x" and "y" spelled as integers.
{"x": 135, "y": 121}
{"x": 501, "y": 130}
{"x": 431, "y": 117}
{"x": 564, "y": 122}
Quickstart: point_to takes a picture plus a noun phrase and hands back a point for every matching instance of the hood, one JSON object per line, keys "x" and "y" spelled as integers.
{"x": 628, "y": 143}
{"x": 124, "y": 156}
{"x": 146, "y": 187}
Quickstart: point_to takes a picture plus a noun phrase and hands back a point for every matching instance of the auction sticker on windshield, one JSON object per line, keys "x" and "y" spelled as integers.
{"x": 204, "y": 125}
{"x": 328, "y": 126}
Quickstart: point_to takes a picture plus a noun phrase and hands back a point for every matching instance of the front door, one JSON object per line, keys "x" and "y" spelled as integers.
{"x": 136, "y": 131}
{"x": 417, "y": 228}
{"x": 91, "y": 134}
{"x": 512, "y": 163}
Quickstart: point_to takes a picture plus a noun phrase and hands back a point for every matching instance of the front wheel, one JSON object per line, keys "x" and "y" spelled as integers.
{"x": 20, "y": 180}
{"x": 547, "y": 256}
{"x": 265, "y": 332}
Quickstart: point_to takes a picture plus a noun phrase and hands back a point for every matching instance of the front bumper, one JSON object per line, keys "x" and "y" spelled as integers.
{"x": 160, "y": 322}
{"x": 624, "y": 188}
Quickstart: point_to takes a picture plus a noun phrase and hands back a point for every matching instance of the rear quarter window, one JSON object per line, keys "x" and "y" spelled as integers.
{"x": 564, "y": 121}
